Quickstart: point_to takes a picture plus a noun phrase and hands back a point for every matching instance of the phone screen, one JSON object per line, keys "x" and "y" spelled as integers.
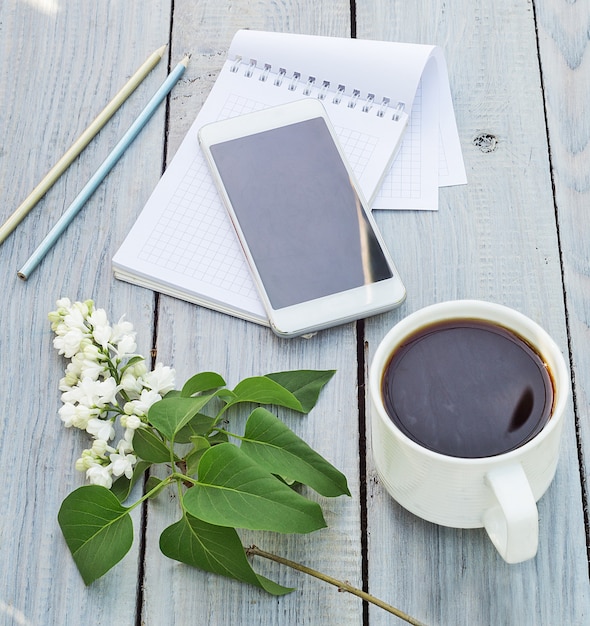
{"x": 302, "y": 219}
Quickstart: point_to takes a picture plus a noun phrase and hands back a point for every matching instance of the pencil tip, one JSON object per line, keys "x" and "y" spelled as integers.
{"x": 21, "y": 275}
{"x": 161, "y": 49}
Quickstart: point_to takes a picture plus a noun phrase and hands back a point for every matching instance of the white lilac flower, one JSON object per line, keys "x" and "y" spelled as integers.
{"x": 65, "y": 308}
{"x": 90, "y": 356}
{"x": 99, "y": 449}
{"x": 77, "y": 415}
{"x": 92, "y": 393}
{"x": 67, "y": 414}
{"x": 84, "y": 462}
{"x": 83, "y": 366}
{"x": 91, "y": 396}
{"x": 76, "y": 319}
{"x": 100, "y": 429}
{"x": 122, "y": 463}
{"x": 92, "y": 352}
{"x": 93, "y": 456}
{"x": 161, "y": 379}
{"x": 131, "y": 384}
{"x": 99, "y": 475}
{"x": 101, "y": 330}
{"x": 122, "y": 329}
{"x": 72, "y": 376}
{"x": 107, "y": 392}
{"x": 69, "y": 343}
{"x": 126, "y": 443}
{"x": 64, "y": 304}
{"x": 142, "y": 405}
{"x": 125, "y": 347}
{"x": 85, "y": 307}
{"x": 139, "y": 368}
{"x": 84, "y": 392}
{"x": 130, "y": 421}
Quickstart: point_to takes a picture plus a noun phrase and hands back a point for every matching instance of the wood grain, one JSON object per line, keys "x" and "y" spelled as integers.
{"x": 565, "y": 61}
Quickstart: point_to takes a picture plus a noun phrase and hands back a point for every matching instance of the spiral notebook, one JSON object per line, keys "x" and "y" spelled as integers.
{"x": 183, "y": 244}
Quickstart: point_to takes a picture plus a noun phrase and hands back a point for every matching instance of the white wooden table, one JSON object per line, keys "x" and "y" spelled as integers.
{"x": 518, "y": 234}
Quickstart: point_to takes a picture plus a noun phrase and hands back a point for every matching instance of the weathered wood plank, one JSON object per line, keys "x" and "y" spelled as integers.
{"x": 494, "y": 239}
{"x": 196, "y": 339}
{"x": 565, "y": 61}
{"x": 60, "y": 63}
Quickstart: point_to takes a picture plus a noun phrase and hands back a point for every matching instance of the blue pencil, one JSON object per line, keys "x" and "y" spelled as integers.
{"x": 106, "y": 166}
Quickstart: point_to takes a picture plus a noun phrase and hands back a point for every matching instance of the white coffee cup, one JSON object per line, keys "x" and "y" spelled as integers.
{"x": 498, "y": 493}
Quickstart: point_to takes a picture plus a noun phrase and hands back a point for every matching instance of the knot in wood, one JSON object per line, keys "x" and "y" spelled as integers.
{"x": 486, "y": 142}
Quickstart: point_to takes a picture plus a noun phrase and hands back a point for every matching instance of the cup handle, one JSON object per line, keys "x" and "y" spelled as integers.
{"x": 513, "y": 523}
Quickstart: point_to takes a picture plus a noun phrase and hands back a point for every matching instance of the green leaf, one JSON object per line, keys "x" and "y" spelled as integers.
{"x": 204, "y": 381}
{"x": 219, "y": 436}
{"x": 214, "y": 549}
{"x": 298, "y": 389}
{"x": 263, "y": 390}
{"x": 280, "y": 451}
{"x": 97, "y": 529}
{"x": 151, "y": 483}
{"x": 122, "y": 486}
{"x": 149, "y": 447}
{"x": 198, "y": 425}
{"x": 226, "y": 395}
{"x": 200, "y": 444}
{"x": 233, "y": 490}
{"x": 305, "y": 385}
{"x": 169, "y": 415}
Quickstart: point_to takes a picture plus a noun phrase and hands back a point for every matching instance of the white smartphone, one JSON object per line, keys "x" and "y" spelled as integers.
{"x": 310, "y": 241}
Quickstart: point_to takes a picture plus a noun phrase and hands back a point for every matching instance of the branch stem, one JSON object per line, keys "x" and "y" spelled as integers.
{"x": 342, "y": 586}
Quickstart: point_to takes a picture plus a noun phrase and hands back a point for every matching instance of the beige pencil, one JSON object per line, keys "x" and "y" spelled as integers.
{"x": 83, "y": 140}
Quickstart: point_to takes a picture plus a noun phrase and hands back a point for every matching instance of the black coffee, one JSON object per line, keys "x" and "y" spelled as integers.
{"x": 467, "y": 388}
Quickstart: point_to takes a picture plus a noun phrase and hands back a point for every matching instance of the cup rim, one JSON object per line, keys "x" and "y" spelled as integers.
{"x": 472, "y": 309}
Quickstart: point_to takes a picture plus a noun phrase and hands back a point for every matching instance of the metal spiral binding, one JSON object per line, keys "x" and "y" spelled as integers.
{"x": 294, "y": 81}
{"x": 235, "y": 65}
{"x": 250, "y": 69}
{"x": 309, "y": 85}
{"x": 265, "y": 72}
{"x": 337, "y": 99}
{"x": 383, "y": 107}
{"x": 399, "y": 109}
{"x": 280, "y": 77}
{"x": 368, "y": 105}
{"x": 324, "y": 90}
{"x": 356, "y": 94}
